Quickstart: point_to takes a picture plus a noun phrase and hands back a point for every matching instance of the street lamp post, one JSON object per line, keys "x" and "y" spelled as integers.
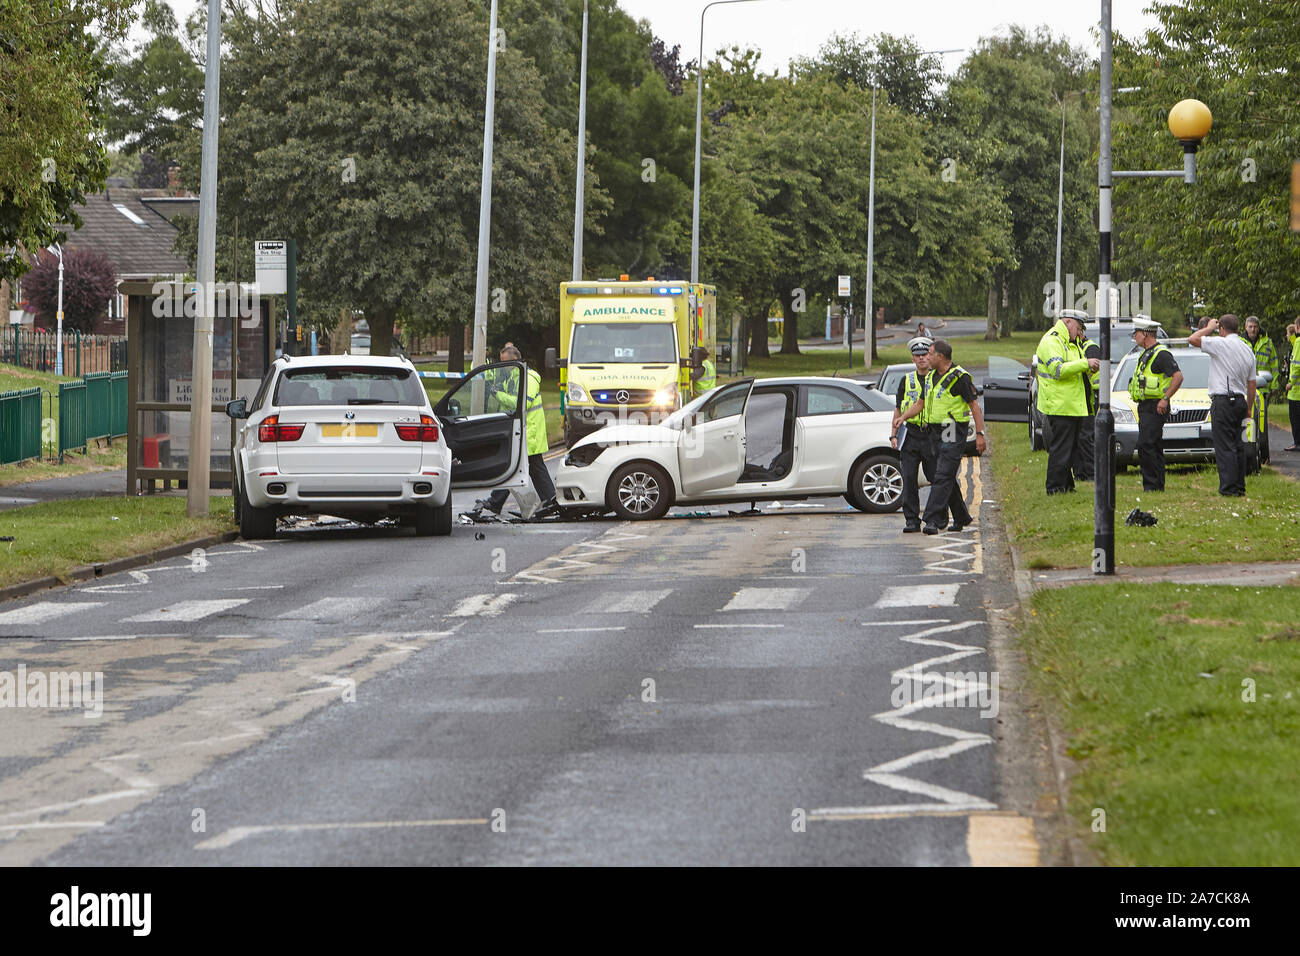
{"x": 579, "y": 204}
{"x": 58, "y": 334}
{"x": 485, "y": 200}
{"x": 1189, "y": 121}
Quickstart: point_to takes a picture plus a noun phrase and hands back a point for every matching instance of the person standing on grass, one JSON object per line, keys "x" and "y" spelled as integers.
{"x": 1083, "y": 462}
{"x": 1293, "y": 391}
{"x": 1155, "y": 380}
{"x": 1063, "y": 381}
{"x": 949, "y": 403}
{"x": 915, "y": 450}
{"x": 1232, "y": 395}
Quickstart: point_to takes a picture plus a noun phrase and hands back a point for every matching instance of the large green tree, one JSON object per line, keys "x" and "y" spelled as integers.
{"x": 51, "y": 137}
{"x": 1225, "y": 240}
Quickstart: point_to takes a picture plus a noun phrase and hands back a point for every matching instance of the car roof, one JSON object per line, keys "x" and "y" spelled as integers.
{"x": 808, "y": 380}
{"x": 325, "y": 361}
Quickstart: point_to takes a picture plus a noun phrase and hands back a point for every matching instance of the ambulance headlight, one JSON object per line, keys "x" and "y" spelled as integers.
{"x": 577, "y": 393}
{"x": 665, "y": 396}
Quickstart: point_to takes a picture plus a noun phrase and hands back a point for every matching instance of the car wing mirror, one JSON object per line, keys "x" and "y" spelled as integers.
{"x": 238, "y": 408}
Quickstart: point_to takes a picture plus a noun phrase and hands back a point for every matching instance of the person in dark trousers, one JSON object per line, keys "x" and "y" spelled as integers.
{"x": 1084, "y": 460}
{"x": 1062, "y": 377}
{"x": 915, "y": 451}
{"x": 949, "y": 403}
{"x": 1155, "y": 380}
{"x": 1293, "y": 388}
{"x": 1232, "y": 395}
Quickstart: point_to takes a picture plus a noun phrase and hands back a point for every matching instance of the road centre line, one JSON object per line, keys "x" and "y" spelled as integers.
{"x": 232, "y": 836}
{"x": 927, "y": 620}
{"x": 701, "y": 626}
{"x": 577, "y": 630}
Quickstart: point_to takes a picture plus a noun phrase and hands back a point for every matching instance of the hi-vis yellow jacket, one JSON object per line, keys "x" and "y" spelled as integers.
{"x": 1062, "y": 374}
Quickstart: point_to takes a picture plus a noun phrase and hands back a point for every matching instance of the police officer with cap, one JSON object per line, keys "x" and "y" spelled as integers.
{"x": 915, "y": 449}
{"x": 1155, "y": 380}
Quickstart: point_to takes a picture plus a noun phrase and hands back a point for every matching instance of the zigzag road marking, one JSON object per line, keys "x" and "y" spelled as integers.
{"x": 889, "y": 774}
{"x": 607, "y": 543}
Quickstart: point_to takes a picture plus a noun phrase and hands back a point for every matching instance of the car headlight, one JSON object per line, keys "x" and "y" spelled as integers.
{"x": 1123, "y": 416}
{"x": 666, "y": 395}
{"x": 583, "y": 455}
{"x": 577, "y": 393}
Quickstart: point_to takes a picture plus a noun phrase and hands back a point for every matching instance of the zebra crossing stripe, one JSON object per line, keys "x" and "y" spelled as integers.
{"x": 766, "y": 599}
{"x": 188, "y": 610}
{"x": 630, "y": 602}
{"x": 333, "y": 609}
{"x": 45, "y": 611}
{"x": 919, "y": 595}
{"x": 483, "y": 605}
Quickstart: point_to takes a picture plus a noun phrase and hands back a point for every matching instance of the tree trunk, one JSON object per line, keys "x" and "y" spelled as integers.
{"x": 757, "y": 329}
{"x": 381, "y": 330}
{"x": 790, "y": 328}
{"x": 991, "y": 332}
{"x": 456, "y": 347}
{"x": 1004, "y": 330}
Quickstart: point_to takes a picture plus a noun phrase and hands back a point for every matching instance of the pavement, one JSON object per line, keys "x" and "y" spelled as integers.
{"x": 94, "y": 484}
{"x": 689, "y": 691}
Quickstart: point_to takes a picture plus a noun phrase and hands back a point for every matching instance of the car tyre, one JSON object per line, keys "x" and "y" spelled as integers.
{"x": 433, "y": 520}
{"x": 876, "y": 485}
{"x": 639, "y": 491}
{"x": 255, "y": 524}
{"x": 1036, "y": 442}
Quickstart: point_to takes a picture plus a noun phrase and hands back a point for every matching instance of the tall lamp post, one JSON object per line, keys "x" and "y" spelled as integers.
{"x": 485, "y": 202}
{"x": 1189, "y": 121}
{"x": 579, "y": 204}
{"x": 58, "y": 335}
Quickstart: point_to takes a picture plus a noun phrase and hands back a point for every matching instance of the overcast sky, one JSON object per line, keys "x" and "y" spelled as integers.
{"x": 785, "y": 29}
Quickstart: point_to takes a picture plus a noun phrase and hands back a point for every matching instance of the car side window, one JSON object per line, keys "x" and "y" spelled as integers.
{"x": 728, "y": 402}
{"x": 828, "y": 400}
{"x": 262, "y": 391}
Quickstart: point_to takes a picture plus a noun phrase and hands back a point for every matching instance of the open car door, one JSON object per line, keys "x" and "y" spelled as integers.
{"x": 482, "y": 419}
{"x": 1006, "y": 390}
{"x": 711, "y": 447}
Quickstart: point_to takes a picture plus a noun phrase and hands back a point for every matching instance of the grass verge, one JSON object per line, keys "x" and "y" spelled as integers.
{"x": 1196, "y": 525}
{"x": 54, "y": 537}
{"x": 1182, "y": 707}
{"x": 99, "y": 456}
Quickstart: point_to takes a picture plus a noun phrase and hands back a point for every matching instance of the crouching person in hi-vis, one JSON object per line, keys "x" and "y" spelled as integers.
{"x": 949, "y": 403}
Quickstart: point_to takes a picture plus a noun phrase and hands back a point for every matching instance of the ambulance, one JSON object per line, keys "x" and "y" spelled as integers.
{"x": 631, "y": 351}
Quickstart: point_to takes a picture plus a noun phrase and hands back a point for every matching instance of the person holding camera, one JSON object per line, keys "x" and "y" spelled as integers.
{"x": 1232, "y": 395}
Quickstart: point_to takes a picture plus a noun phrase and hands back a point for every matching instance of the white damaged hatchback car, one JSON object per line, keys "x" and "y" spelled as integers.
{"x": 776, "y": 439}
{"x": 356, "y": 436}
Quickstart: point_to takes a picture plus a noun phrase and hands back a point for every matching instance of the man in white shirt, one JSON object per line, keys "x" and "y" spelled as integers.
{"x": 1232, "y": 395}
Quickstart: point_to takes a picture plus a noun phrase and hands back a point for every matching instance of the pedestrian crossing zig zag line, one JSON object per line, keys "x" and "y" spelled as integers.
{"x": 956, "y": 555}
{"x": 540, "y": 572}
{"x": 890, "y": 773}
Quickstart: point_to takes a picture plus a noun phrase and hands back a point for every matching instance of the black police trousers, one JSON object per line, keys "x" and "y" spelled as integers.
{"x": 945, "y": 490}
{"x": 1150, "y": 448}
{"x": 1228, "y": 413}
{"x": 1061, "y": 435}
{"x": 917, "y": 453}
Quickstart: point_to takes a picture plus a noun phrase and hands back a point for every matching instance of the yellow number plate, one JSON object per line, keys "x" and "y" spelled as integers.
{"x": 349, "y": 431}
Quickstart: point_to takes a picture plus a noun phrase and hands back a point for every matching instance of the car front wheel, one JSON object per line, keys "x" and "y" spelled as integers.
{"x": 876, "y": 485}
{"x": 639, "y": 491}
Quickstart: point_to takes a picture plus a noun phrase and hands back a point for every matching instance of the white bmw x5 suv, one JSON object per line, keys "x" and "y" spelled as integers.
{"x": 356, "y": 436}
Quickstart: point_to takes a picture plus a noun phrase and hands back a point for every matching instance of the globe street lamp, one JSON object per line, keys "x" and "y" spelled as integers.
{"x": 1189, "y": 121}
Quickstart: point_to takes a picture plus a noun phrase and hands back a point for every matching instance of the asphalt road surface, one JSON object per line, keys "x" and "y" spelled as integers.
{"x": 720, "y": 690}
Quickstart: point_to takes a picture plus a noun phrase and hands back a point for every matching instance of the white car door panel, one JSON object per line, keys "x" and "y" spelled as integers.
{"x": 711, "y": 451}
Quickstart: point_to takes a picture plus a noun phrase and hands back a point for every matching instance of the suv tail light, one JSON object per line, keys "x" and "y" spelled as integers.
{"x": 271, "y": 430}
{"x": 427, "y": 430}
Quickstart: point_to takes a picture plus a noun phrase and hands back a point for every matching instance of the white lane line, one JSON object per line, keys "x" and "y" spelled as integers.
{"x": 43, "y": 611}
{"x": 702, "y": 626}
{"x": 630, "y": 602}
{"x": 50, "y": 826}
{"x": 890, "y": 811}
{"x": 235, "y": 834}
{"x": 766, "y": 599}
{"x": 578, "y": 630}
{"x": 68, "y": 805}
{"x": 925, "y": 620}
{"x": 188, "y": 610}
{"x": 256, "y": 587}
{"x": 333, "y": 609}
{"x": 484, "y": 605}
{"x": 919, "y": 595}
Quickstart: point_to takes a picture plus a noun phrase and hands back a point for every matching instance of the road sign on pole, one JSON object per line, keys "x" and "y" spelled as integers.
{"x": 846, "y": 283}
{"x": 271, "y": 262}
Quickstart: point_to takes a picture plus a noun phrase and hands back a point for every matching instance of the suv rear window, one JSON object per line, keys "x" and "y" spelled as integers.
{"x": 349, "y": 385}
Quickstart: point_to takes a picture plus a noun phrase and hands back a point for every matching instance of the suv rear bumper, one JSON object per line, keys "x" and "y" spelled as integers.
{"x": 370, "y": 493}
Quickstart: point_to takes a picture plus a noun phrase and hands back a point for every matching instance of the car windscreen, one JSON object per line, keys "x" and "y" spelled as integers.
{"x": 890, "y": 379}
{"x": 640, "y": 342}
{"x": 349, "y": 385}
{"x": 1194, "y": 364}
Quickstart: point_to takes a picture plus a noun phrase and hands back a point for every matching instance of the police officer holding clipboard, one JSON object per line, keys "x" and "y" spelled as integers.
{"x": 915, "y": 450}
{"x": 1155, "y": 380}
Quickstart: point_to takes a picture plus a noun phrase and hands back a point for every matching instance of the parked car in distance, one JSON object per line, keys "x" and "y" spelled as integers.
{"x": 356, "y": 437}
{"x": 774, "y": 439}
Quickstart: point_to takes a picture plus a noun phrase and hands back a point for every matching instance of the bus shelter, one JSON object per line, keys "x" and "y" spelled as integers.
{"x": 160, "y": 362}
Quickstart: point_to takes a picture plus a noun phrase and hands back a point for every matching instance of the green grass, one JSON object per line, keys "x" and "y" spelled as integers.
{"x": 974, "y": 351}
{"x": 1187, "y": 772}
{"x": 1196, "y": 525}
{"x": 54, "y": 537}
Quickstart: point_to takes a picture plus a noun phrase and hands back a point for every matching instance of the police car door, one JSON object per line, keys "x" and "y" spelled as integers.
{"x": 483, "y": 419}
{"x": 711, "y": 449}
